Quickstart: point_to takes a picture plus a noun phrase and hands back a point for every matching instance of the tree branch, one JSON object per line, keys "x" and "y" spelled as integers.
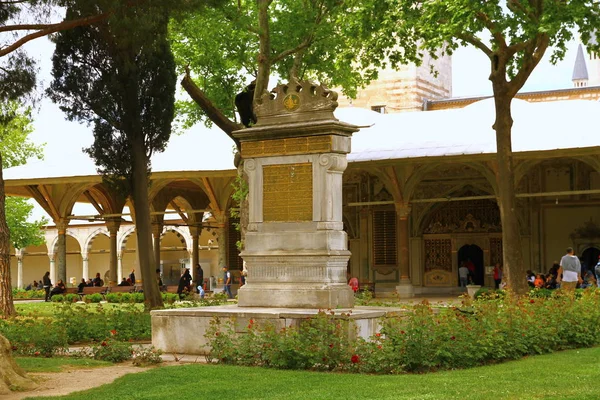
{"x": 491, "y": 26}
{"x": 533, "y": 56}
{"x": 476, "y": 42}
{"x": 211, "y": 111}
{"x": 53, "y": 29}
{"x": 305, "y": 43}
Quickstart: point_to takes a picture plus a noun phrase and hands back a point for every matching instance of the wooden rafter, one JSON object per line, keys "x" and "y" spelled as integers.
{"x": 55, "y": 214}
{"x": 42, "y": 201}
{"x": 93, "y": 201}
{"x": 184, "y": 218}
{"x": 211, "y": 195}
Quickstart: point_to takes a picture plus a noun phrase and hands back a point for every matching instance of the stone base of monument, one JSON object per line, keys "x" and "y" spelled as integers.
{"x": 181, "y": 331}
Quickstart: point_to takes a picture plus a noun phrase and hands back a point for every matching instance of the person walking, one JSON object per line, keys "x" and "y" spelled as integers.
{"x": 227, "y": 282}
{"x": 570, "y": 268}
{"x": 199, "y": 277}
{"x": 463, "y": 275}
{"x": 184, "y": 282}
{"x": 47, "y": 283}
{"x": 132, "y": 277}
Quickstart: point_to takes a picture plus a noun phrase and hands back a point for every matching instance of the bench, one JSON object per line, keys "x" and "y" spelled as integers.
{"x": 92, "y": 290}
{"x": 121, "y": 289}
{"x": 71, "y": 290}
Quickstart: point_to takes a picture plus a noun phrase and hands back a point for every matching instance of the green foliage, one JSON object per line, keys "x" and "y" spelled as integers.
{"x": 363, "y": 297}
{"x": 34, "y": 336}
{"x": 15, "y": 128}
{"x": 27, "y": 294}
{"x": 320, "y": 343}
{"x": 93, "y": 298}
{"x": 324, "y": 40}
{"x": 143, "y": 357}
{"x": 22, "y": 232}
{"x": 111, "y": 349}
{"x": 423, "y": 339}
{"x": 58, "y": 298}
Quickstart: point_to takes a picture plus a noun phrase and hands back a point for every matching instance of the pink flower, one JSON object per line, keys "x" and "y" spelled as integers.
{"x": 355, "y": 359}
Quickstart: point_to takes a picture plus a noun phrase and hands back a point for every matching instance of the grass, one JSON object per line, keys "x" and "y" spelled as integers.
{"x": 566, "y": 375}
{"x": 57, "y": 364}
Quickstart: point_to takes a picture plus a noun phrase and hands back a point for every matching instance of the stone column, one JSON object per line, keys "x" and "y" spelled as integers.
{"x": 61, "y": 250}
{"x": 296, "y": 250}
{"x": 113, "y": 229}
{"x": 85, "y": 274}
{"x": 405, "y": 288}
{"x": 156, "y": 233}
{"x": 52, "y": 268}
{"x": 222, "y": 239}
{"x": 194, "y": 253}
{"x": 19, "y": 255}
{"x": 120, "y": 266}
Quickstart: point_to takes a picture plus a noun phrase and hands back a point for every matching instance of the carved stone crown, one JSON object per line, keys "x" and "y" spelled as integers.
{"x": 296, "y": 102}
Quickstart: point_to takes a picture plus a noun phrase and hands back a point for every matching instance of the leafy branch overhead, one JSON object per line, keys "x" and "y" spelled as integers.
{"x": 251, "y": 41}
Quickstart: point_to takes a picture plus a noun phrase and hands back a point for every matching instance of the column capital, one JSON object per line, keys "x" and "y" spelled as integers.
{"x": 402, "y": 210}
{"x": 61, "y": 225}
{"x": 113, "y": 225}
{"x": 84, "y": 256}
{"x": 195, "y": 230}
{"x": 157, "y": 229}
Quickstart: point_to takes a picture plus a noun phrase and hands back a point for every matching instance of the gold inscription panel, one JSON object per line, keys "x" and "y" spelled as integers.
{"x": 277, "y": 147}
{"x": 287, "y": 193}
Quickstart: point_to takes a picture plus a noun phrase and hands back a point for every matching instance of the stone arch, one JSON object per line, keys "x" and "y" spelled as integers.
{"x": 527, "y": 166}
{"x": 181, "y": 235}
{"x": 92, "y": 236}
{"x": 122, "y": 242}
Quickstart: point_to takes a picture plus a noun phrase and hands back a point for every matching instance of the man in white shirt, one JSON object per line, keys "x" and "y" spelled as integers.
{"x": 570, "y": 268}
{"x": 463, "y": 274}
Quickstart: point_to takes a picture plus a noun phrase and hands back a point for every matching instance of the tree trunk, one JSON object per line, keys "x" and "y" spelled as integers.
{"x": 7, "y": 308}
{"x": 11, "y": 376}
{"x": 141, "y": 203}
{"x": 514, "y": 269}
{"x": 264, "y": 54}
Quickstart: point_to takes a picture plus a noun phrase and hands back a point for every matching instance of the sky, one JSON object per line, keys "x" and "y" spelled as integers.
{"x": 470, "y": 70}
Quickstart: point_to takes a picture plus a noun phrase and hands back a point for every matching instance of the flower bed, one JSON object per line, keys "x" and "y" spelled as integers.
{"x": 478, "y": 332}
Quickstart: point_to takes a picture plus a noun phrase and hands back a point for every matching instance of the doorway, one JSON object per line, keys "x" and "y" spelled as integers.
{"x": 472, "y": 257}
{"x": 589, "y": 259}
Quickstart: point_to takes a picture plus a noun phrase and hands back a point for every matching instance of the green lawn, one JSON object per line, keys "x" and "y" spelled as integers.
{"x": 566, "y": 375}
{"x": 57, "y": 364}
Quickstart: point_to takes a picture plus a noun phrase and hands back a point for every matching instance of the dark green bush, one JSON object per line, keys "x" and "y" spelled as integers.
{"x": 93, "y": 298}
{"x": 58, "y": 298}
{"x": 34, "y": 336}
{"x": 423, "y": 339}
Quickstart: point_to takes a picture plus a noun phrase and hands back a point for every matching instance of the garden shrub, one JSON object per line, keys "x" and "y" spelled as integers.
{"x": 27, "y": 294}
{"x": 170, "y": 298}
{"x": 111, "y": 349}
{"x": 476, "y": 333}
{"x": 34, "y": 336}
{"x": 71, "y": 298}
{"x": 137, "y": 297}
{"x": 58, "y": 298}
{"x": 113, "y": 298}
{"x": 147, "y": 356}
{"x": 93, "y": 298}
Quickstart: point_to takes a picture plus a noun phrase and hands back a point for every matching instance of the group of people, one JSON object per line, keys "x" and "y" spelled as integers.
{"x": 567, "y": 275}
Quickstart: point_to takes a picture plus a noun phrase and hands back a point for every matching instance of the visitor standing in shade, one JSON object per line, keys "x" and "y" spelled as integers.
{"x": 227, "y": 282}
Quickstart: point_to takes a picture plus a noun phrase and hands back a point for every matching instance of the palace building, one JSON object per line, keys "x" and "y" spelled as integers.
{"x": 419, "y": 193}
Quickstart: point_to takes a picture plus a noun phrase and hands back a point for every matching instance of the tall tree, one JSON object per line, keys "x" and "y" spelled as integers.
{"x": 514, "y": 35}
{"x": 119, "y": 76}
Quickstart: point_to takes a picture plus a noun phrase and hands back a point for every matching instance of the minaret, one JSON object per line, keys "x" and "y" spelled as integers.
{"x": 580, "y": 73}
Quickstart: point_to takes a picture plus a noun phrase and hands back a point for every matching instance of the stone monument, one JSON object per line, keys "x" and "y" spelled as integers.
{"x": 294, "y": 157}
{"x": 295, "y": 246}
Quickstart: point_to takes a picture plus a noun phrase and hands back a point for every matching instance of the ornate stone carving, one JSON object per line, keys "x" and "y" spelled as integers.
{"x": 296, "y": 102}
{"x": 438, "y": 278}
{"x": 465, "y": 217}
{"x": 438, "y": 254}
{"x": 589, "y": 230}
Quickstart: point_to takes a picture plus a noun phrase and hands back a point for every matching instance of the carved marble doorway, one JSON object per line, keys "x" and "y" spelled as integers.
{"x": 472, "y": 257}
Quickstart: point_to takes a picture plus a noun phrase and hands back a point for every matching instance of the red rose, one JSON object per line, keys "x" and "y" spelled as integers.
{"x": 37, "y": 353}
{"x": 532, "y": 301}
{"x": 378, "y": 334}
{"x": 402, "y": 332}
{"x": 331, "y": 346}
{"x": 103, "y": 344}
{"x": 452, "y": 338}
{"x": 355, "y": 358}
{"x": 113, "y": 332}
